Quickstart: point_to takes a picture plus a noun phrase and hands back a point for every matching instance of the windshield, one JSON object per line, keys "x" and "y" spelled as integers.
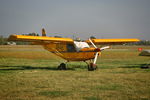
{"x": 80, "y": 45}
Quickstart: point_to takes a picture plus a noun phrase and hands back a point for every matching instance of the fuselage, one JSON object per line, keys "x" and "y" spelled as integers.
{"x": 77, "y": 51}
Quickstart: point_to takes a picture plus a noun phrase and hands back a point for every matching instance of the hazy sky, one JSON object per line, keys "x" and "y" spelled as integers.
{"x": 81, "y": 18}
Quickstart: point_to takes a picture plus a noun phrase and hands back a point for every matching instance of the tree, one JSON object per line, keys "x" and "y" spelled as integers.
{"x": 92, "y": 37}
{"x": 57, "y": 36}
{"x": 32, "y": 34}
{"x": 2, "y": 40}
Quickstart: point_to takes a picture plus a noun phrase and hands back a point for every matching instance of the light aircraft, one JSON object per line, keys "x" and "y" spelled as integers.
{"x": 71, "y": 50}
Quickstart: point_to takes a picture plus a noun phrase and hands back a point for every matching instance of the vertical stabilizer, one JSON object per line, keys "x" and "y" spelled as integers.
{"x": 43, "y": 32}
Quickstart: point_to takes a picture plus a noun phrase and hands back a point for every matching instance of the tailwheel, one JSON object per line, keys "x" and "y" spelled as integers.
{"x": 92, "y": 67}
{"x": 62, "y": 66}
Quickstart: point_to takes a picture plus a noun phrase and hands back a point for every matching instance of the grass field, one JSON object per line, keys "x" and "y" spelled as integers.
{"x": 29, "y": 73}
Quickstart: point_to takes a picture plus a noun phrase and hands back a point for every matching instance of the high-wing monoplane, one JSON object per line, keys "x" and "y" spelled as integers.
{"x": 71, "y": 50}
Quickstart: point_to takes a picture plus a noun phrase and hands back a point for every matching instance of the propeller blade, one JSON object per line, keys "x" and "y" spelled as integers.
{"x": 95, "y": 59}
{"x": 103, "y": 48}
{"x": 92, "y": 43}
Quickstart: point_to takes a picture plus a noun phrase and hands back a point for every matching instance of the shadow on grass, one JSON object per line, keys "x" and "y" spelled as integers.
{"x": 134, "y": 66}
{"x": 8, "y": 68}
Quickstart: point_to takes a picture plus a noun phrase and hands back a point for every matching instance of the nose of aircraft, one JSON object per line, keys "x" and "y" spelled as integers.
{"x": 97, "y": 49}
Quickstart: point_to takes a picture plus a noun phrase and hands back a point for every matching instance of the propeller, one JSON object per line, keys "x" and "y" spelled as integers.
{"x": 95, "y": 59}
{"x": 97, "y": 49}
{"x": 92, "y": 43}
{"x": 103, "y": 48}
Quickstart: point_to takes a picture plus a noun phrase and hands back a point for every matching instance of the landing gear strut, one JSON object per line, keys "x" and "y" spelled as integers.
{"x": 62, "y": 66}
{"x": 92, "y": 67}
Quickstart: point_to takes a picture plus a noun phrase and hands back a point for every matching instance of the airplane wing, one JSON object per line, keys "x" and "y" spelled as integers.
{"x": 38, "y": 39}
{"x": 112, "y": 41}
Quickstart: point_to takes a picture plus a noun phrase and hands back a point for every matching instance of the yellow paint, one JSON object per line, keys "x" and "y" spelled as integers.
{"x": 112, "y": 41}
{"x": 82, "y": 55}
{"x": 38, "y": 38}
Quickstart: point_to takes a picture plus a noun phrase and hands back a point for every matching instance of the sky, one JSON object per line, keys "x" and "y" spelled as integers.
{"x": 77, "y": 18}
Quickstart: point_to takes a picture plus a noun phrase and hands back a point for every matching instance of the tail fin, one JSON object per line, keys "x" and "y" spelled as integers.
{"x": 43, "y": 32}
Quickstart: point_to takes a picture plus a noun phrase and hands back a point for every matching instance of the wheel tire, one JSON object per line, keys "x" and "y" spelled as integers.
{"x": 62, "y": 66}
{"x": 92, "y": 67}
{"x": 59, "y": 67}
{"x": 89, "y": 68}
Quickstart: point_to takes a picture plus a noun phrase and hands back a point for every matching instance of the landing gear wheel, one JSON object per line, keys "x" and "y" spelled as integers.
{"x": 92, "y": 67}
{"x": 62, "y": 66}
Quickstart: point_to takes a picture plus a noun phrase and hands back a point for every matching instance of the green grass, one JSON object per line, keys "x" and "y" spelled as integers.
{"x": 53, "y": 94}
{"x": 29, "y": 76}
{"x": 92, "y": 98}
{"x": 108, "y": 87}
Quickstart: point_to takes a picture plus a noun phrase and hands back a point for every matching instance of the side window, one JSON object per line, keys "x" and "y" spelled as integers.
{"x": 60, "y": 47}
{"x": 70, "y": 48}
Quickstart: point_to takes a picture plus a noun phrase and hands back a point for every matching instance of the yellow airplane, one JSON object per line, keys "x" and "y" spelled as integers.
{"x": 71, "y": 50}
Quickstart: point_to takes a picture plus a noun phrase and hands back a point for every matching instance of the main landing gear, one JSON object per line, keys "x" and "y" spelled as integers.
{"x": 91, "y": 66}
{"x": 62, "y": 66}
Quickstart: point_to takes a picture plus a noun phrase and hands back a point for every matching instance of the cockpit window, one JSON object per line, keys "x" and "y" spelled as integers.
{"x": 71, "y": 48}
{"x": 80, "y": 45}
